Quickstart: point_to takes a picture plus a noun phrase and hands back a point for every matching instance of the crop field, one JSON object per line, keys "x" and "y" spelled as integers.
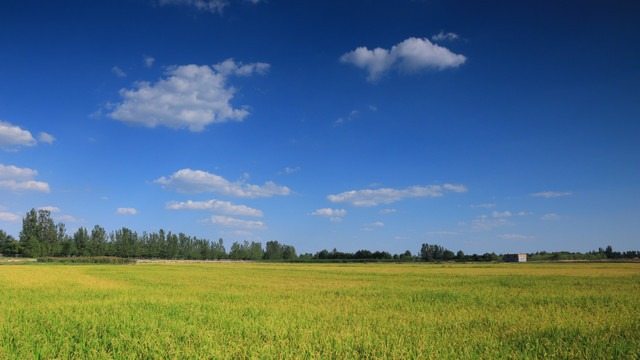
{"x": 329, "y": 311}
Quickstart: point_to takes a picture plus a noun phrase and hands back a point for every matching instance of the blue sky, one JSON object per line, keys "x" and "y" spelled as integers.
{"x": 480, "y": 126}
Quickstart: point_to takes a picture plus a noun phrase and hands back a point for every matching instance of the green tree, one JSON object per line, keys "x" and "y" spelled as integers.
{"x": 274, "y": 251}
{"x": 172, "y": 246}
{"x": 62, "y": 238}
{"x": 236, "y": 252}
{"x": 126, "y": 243}
{"x": 29, "y": 236}
{"x": 434, "y": 253}
{"x": 82, "y": 240}
{"x": 217, "y": 250}
{"x": 289, "y": 252}
{"x": 8, "y": 245}
{"x": 48, "y": 232}
{"x": 98, "y": 242}
{"x": 255, "y": 251}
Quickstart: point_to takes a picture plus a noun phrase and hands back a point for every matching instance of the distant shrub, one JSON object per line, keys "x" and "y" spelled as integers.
{"x": 87, "y": 260}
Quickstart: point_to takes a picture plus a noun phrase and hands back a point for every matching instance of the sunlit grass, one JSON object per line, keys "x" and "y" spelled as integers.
{"x": 253, "y": 310}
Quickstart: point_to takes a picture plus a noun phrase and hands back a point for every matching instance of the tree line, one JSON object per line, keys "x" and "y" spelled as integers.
{"x": 42, "y": 237}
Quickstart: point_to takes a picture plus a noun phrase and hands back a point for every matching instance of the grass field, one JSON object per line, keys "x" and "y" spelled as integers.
{"x": 257, "y": 310}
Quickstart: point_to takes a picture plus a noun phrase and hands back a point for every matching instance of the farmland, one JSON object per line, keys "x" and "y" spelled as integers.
{"x": 262, "y": 310}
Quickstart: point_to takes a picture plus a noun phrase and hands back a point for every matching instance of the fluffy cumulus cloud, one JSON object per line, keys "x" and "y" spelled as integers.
{"x": 410, "y": 56}
{"x": 334, "y": 215}
{"x": 551, "y": 194}
{"x": 15, "y": 179}
{"x": 198, "y": 181}
{"x": 190, "y": 96}
{"x": 126, "y": 211}
{"x": 230, "y": 222}
{"x": 223, "y": 207}
{"x": 375, "y": 197}
{"x": 13, "y": 136}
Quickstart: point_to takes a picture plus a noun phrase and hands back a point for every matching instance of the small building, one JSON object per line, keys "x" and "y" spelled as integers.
{"x": 514, "y": 258}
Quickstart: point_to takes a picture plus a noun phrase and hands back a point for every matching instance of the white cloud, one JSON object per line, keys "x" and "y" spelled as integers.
{"x": 17, "y": 179}
{"x": 483, "y": 206}
{"x": 372, "y": 226}
{"x": 288, "y": 170}
{"x": 12, "y": 135}
{"x": 484, "y": 223}
{"x": 118, "y": 72}
{"x": 551, "y": 194}
{"x": 51, "y": 209}
{"x": 442, "y": 36}
{"x": 237, "y": 223}
{"x": 191, "y": 97}
{"x": 126, "y": 211}
{"x": 334, "y": 215}
{"x": 454, "y": 188}
{"x": 213, "y": 6}
{"x": 148, "y": 61}
{"x": 513, "y": 236}
{"x": 11, "y": 172}
{"x": 503, "y": 214}
{"x": 552, "y": 216}
{"x": 19, "y": 186}
{"x": 6, "y": 216}
{"x": 197, "y": 181}
{"x": 409, "y": 56}
{"x": 230, "y": 67}
{"x": 387, "y": 195}
{"x": 388, "y": 211}
{"x": 224, "y": 207}
{"x": 352, "y": 115}
{"x": 68, "y": 219}
{"x": 43, "y": 137}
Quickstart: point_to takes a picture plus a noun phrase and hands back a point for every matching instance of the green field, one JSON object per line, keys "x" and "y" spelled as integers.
{"x": 258, "y": 310}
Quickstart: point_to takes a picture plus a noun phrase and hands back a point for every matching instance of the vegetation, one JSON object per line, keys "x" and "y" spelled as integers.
{"x": 87, "y": 260}
{"x": 234, "y": 310}
{"x": 42, "y": 238}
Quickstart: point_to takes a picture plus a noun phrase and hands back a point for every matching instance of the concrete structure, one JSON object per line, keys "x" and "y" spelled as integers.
{"x": 515, "y": 258}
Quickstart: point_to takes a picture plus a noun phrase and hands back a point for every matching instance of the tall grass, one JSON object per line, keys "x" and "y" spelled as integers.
{"x": 249, "y": 310}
